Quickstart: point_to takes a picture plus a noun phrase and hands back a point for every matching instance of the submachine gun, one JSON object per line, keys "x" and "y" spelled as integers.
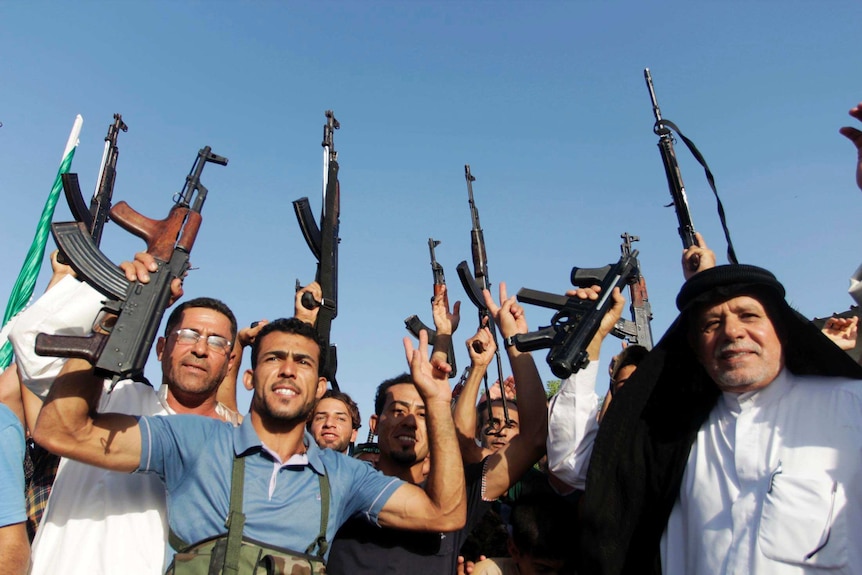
{"x": 576, "y": 320}
{"x": 662, "y": 128}
{"x": 323, "y": 243}
{"x": 95, "y": 217}
{"x": 414, "y": 325}
{"x": 138, "y": 307}
{"x": 474, "y": 284}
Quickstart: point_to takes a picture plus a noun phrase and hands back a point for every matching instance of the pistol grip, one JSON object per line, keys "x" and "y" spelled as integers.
{"x": 87, "y": 347}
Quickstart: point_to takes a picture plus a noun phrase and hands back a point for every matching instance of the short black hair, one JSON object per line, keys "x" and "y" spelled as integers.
{"x": 294, "y": 326}
{"x": 482, "y": 406}
{"x": 380, "y": 396}
{"x": 206, "y": 303}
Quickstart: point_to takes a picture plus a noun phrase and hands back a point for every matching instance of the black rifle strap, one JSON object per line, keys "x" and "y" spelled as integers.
{"x": 731, "y": 253}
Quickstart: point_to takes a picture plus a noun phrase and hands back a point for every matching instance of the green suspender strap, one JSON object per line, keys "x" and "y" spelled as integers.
{"x": 232, "y": 554}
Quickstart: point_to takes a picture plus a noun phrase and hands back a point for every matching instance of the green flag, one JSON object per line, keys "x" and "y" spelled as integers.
{"x": 23, "y": 289}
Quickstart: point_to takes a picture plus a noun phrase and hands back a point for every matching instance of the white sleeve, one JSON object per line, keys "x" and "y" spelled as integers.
{"x": 69, "y": 308}
{"x": 572, "y": 426}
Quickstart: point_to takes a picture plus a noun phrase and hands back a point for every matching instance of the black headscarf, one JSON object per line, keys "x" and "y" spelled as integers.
{"x": 644, "y": 440}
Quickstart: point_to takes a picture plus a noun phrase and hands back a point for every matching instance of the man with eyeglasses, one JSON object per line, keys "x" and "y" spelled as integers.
{"x": 99, "y": 521}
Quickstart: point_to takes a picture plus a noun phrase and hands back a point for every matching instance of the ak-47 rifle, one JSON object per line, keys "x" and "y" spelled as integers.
{"x": 414, "y": 325}
{"x": 323, "y": 243}
{"x": 95, "y": 217}
{"x": 637, "y": 330}
{"x": 662, "y": 128}
{"x": 475, "y": 283}
{"x": 577, "y": 320}
{"x": 139, "y": 307}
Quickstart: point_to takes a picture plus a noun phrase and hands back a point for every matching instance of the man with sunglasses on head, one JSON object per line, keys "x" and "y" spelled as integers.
{"x": 99, "y": 521}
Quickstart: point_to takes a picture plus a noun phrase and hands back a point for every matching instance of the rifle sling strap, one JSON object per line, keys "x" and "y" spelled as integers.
{"x": 236, "y": 520}
{"x": 731, "y": 253}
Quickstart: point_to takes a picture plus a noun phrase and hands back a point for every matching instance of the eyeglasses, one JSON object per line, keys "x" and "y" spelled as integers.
{"x": 189, "y": 336}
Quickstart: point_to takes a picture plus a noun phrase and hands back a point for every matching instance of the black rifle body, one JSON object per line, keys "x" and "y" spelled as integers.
{"x": 576, "y": 320}
{"x": 139, "y": 308}
{"x": 414, "y": 325}
{"x": 98, "y": 213}
{"x": 671, "y": 170}
{"x": 323, "y": 243}
{"x": 478, "y": 281}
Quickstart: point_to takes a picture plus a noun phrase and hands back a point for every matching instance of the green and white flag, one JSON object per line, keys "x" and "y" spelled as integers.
{"x": 23, "y": 289}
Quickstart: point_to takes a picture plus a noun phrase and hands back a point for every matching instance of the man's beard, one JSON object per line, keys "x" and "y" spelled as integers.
{"x": 283, "y": 418}
{"x": 403, "y": 457}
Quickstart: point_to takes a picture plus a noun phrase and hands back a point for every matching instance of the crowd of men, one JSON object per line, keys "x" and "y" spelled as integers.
{"x": 733, "y": 446}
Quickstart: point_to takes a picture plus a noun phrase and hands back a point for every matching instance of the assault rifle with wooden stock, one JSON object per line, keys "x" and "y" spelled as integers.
{"x": 138, "y": 307}
{"x": 414, "y": 325}
{"x": 323, "y": 243}
{"x": 637, "y": 330}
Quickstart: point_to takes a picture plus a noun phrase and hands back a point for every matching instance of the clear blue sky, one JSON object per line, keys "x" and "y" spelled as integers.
{"x": 545, "y": 100}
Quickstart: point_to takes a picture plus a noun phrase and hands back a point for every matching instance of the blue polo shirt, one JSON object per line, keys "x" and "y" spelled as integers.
{"x": 12, "y": 507}
{"x": 193, "y": 455}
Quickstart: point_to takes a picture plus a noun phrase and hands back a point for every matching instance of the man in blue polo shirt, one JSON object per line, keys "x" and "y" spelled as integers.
{"x": 14, "y": 546}
{"x": 194, "y": 456}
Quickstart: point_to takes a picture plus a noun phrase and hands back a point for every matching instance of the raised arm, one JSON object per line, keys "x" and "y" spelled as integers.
{"x": 442, "y": 505}
{"x": 572, "y": 419}
{"x": 481, "y": 349}
{"x": 701, "y": 250}
{"x": 69, "y": 426}
{"x": 226, "y": 393}
{"x": 843, "y": 331}
{"x": 506, "y": 466}
{"x": 302, "y": 312}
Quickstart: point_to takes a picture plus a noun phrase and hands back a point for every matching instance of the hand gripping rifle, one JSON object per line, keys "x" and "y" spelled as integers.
{"x": 414, "y": 325}
{"x": 323, "y": 243}
{"x": 95, "y": 217}
{"x": 139, "y": 307}
{"x": 662, "y": 128}
{"x": 577, "y": 320}
{"x": 637, "y": 330}
{"x": 475, "y": 283}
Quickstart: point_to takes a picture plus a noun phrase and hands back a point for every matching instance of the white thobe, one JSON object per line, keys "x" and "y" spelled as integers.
{"x": 96, "y": 521}
{"x": 572, "y": 426}
{"x": 773, "y": 484}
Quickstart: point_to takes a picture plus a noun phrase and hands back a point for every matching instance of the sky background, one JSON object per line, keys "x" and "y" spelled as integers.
{"x": 545, "y": 100}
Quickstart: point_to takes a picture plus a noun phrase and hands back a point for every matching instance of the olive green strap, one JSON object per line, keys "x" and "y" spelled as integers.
{"x": 320, "y": 542}
{"x": 235, "y": 519}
